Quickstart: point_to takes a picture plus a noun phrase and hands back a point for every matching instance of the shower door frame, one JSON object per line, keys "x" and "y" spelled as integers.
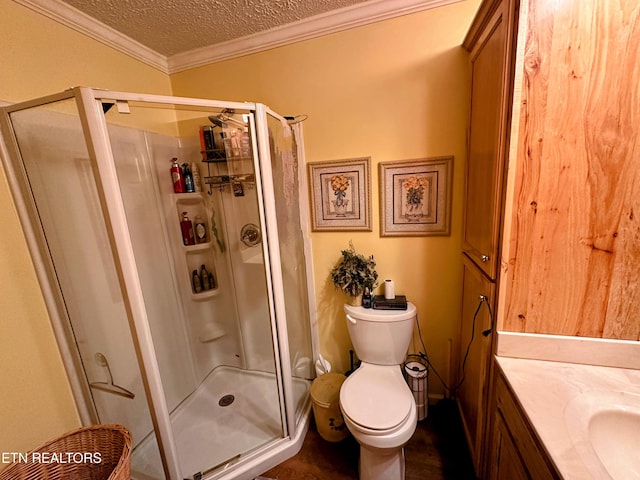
{"x": 95, "y": 130}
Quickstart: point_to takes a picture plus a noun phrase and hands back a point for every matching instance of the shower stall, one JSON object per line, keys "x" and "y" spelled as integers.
{"x": 201, "y": 344}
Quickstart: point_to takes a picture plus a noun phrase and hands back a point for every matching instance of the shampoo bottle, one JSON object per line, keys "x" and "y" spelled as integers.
{"x": 176, "y": 176}
{"x": 197, "y": 181}
{"x": 204, "y": 274}
{"x": 197, "y": 283}
{"x": 188, "y": 178}
{"x": 186, "y": 226}
{"x": 245, "y": 143}
{"x": 200, "y": 229}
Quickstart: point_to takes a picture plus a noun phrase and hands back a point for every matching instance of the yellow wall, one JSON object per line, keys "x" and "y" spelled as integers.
{"x": 39, "y": 57}
{"x": 393, "y": 90}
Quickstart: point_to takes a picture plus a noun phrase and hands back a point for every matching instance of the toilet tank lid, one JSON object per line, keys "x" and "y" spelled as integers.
{"x": 373, "y": 315}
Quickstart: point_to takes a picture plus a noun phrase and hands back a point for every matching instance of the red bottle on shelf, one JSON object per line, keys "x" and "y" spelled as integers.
{"x": 188, "y": 238}
{"x": 176, "y": 176}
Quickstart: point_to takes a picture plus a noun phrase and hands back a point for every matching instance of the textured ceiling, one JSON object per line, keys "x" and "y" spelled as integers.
{"x": 171, "y": 27}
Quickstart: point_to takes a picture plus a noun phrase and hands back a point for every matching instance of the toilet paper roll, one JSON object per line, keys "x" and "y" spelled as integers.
{"x": 389, "y": 290}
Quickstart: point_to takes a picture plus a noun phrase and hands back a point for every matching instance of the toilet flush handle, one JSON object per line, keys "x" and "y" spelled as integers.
{"x": 351, "y": 319}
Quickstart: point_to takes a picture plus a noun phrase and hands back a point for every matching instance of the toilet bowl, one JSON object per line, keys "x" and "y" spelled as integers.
{"x": 376, "y": 402}
{"x": 378, "y": 406}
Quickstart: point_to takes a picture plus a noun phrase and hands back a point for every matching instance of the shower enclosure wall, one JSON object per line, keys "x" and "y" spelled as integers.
{"x": 210, "y": 371}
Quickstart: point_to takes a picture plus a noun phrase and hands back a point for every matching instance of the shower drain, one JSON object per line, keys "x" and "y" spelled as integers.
{"x": 226, "y": 400}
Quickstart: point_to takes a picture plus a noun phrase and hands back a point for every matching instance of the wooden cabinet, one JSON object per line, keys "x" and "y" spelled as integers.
{"x": 516, "y": 451}
{"x": 490, "y": 42}
{"x": 491, "y": 45}
{"x": 474, "y": 356}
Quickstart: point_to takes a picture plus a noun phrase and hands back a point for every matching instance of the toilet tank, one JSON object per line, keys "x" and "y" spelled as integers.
{"x": 380, "y": 337}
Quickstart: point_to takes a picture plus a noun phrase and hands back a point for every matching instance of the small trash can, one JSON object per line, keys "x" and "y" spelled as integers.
{"x": 416, "y": 372}
{"x": 325, "y": 400}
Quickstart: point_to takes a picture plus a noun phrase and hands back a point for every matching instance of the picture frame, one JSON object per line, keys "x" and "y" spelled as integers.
{"x": 415, "y": 197}
{"x": 340, "y": 193}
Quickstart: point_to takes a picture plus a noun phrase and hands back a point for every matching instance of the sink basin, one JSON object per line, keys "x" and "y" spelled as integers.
{"x": 615, "y": 437}
{"x": 605, "y": 430}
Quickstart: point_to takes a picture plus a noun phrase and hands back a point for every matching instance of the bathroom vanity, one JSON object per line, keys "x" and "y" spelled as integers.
{"x": 557, "y": 419}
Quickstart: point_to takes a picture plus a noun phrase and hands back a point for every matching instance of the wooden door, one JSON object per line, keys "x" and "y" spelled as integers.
{"x": 505, "y": 463}
{"x": 474, "y": 355}
{"x": 490, "y": 42}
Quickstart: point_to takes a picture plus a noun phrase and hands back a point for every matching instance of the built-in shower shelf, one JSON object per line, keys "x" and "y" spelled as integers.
{"x": 188, "y": 197}
{"x": 198, "y": 255}
{"x": 211, "y": 332}
{"x": 207, "y": 294}
{"x": 197, "y": 247}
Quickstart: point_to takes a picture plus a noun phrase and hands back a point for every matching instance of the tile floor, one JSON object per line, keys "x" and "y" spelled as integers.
{"x": 437, "y": 451}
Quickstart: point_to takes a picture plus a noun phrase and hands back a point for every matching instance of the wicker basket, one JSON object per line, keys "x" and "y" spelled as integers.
{"x": 97, "y": 452}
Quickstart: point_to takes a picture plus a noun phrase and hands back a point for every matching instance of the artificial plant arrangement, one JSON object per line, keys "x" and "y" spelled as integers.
{"x": 354, "y": 272}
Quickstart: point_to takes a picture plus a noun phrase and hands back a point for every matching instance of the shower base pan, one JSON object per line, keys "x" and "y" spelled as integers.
{"x": 232, "y": 413}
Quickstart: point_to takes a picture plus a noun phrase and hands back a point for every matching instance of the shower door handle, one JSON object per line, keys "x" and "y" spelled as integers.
{"x": 109, "y": 386}
{"x": 351, "y": 319}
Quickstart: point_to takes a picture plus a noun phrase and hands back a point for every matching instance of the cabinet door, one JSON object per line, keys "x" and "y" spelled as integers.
{"x": 475, "y": 346}
{"x": 516, "y": 450}
{"x": 490, "y": 44}
{"x": 506, "y": 463}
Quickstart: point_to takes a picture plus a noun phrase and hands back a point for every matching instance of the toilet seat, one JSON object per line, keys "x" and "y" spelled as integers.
{"x": 376, "y": 399}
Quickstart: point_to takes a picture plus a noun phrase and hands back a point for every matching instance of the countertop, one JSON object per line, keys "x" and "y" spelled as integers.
{"x": 548, "y": 389}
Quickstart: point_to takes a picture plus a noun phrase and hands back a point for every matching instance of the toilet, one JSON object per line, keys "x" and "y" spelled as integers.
{"x": 376, "y": 402}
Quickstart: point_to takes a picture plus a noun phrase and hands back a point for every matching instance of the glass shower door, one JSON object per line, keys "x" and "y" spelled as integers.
{"x": 214, "y": 346}
{"x": 286, "y": 178}
{"x": 87, "y": 302}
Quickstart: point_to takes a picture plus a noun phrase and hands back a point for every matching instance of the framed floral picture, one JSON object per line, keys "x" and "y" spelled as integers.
{"x": 340, "y": 195}
{"x": 415, "y": 197}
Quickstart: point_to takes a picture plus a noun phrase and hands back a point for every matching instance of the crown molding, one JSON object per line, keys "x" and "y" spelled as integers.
{"x": 73, "y": 18}
{"x": 331, "y": 22}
